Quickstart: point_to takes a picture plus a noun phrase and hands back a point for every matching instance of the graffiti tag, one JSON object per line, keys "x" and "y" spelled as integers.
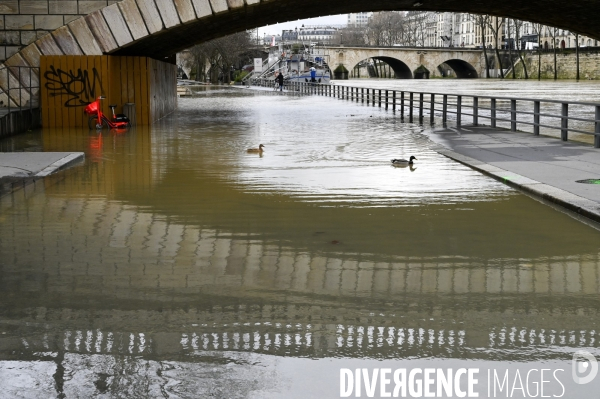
{"x": 77, "y": 86}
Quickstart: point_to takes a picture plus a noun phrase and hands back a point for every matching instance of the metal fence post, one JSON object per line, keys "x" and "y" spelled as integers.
{"x": 379, "y": 98}
{"x": 410, "y": 106}
{"x": 564, "y": 124}
{"x": 458, "y": 111}
{"x": 513, "y": 115}
{"x": 432, "y": 108}
{"x": 402, "y": 104}
{"x": 475, "y": 111}
{"x": 386, "y": 99}
{"x": 362, "y": 96}
{"x": 493, "y": 112}
{"x": 394, "y": 100}
{"x": 597, "y": 130}
{"x": 420, "y": 107}
{"x": 536, "y": 118}
{"x": 444, "y": 108}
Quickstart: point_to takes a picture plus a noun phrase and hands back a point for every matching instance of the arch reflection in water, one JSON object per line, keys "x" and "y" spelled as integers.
{"x": 237, "y": 292}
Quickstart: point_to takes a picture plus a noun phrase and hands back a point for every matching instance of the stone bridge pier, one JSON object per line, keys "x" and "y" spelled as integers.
{"x": 408, "y": 63}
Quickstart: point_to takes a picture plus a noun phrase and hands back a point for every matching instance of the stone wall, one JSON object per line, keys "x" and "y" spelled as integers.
{"x": 24, "y": 21}
{"x": 566, "y": 65}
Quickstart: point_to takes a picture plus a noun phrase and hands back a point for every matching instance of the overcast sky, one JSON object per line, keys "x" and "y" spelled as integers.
{"x": 276, "y": 29}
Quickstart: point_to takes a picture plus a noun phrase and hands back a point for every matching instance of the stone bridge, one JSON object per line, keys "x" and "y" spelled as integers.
{"x": 466, "y": 63}
{"x": 160, "y": 28}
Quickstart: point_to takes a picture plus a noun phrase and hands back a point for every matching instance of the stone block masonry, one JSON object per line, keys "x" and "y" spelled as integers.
{"x": 24, "y": 21}
{"x": 566, "y": 65}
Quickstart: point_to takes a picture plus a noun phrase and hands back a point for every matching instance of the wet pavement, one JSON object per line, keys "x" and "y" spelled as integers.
{"x": 542, "y": 166}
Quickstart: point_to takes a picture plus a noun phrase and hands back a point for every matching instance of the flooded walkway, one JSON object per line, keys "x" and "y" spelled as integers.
{"x": 175, "y": 264}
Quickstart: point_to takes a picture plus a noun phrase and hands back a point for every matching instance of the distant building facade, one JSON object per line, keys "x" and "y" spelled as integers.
{"x": 359, "y": 19}
{"x": 446, "y": 29}
{"x": 311, "y": 34}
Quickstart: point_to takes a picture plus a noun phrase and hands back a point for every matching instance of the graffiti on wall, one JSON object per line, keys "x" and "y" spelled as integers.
{"x": 79, "y": 87}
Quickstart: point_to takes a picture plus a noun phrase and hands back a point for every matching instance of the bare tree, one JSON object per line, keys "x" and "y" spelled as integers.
{"x": 495, "y": 24}
{"x": 352, "y": 36}
{"x": 220, "y": 55}
{"x": 577, "y": 55}
{"x": 553, "y": 34}
{"x": 537, "y": 27}
{"x": 385, "y": 28}
{"x": 481, "y": 21}
{"x": 510, "y": 47}
{"x": 415, "y": 31}
{"x": 518, "y": 27}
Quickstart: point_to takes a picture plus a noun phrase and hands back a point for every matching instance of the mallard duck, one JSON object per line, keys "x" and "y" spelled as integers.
{"x": 403, "y": 162}
{"x": 256, "y": 150}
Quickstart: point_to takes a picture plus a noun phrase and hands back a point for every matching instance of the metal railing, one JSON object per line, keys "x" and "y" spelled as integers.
{"x": 525, "y": 114}
{"x": 19, "y": 97}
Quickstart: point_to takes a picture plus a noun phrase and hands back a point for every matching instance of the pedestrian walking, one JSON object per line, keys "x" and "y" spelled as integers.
{"x": 279, "y": 79}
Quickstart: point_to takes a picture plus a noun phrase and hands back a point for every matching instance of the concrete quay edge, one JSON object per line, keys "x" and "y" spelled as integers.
{"x": 20, "y": 178}
{"x": 61, "y": 164}
{"x": 574, "y": 203}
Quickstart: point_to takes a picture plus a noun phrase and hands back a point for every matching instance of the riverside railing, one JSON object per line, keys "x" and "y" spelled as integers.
{"x": 525, "y": 114}
{"x": 19, "y": 98}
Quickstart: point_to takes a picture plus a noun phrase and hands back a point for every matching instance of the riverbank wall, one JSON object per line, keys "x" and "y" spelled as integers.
{"x": 566, "y": 65}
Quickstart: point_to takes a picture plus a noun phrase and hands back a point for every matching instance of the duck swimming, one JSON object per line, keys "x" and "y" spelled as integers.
{"x": 403, "y": 162}
{"x": 256, "y": 150}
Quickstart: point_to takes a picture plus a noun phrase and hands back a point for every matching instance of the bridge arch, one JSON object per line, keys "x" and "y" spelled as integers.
{"x": 462, "y": 69}
{"x": 400, "y": 68}
{"x": 160, "y": 28}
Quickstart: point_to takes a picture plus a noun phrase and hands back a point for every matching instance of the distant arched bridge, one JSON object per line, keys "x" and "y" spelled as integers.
{"x": 466, "y": 63}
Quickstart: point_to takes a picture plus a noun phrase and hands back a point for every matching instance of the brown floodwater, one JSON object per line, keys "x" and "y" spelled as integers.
{"x": 173, "y": 263}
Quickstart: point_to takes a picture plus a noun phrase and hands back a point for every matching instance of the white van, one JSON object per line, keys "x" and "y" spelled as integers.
{"x": 531, "y": 46}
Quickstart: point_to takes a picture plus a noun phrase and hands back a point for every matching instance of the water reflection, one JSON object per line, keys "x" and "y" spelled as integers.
{"x": 173, "y": 243}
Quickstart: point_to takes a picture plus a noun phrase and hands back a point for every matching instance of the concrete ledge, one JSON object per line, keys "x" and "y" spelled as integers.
{"x": 574, "y": 203}
{"x": 61, "y": 164}
{"x": 20, "y": 169}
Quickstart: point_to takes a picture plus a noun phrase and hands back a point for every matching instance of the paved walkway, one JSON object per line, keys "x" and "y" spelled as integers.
{"x": 20, "y": 165}
{"x": 543, "y": 166}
